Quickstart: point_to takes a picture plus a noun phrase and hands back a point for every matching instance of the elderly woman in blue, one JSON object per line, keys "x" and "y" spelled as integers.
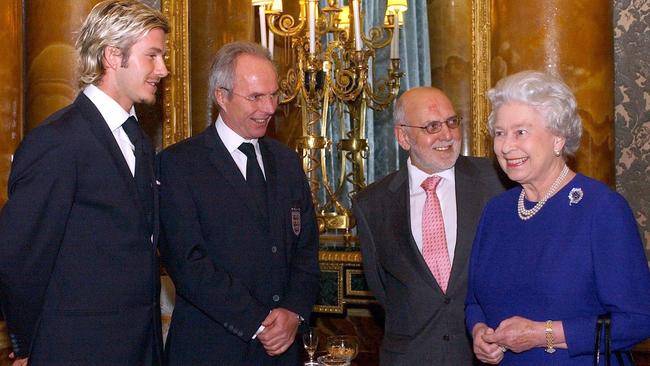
{"x": 553, "y": 254}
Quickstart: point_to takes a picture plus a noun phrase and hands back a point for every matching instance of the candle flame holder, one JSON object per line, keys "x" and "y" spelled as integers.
{"x": 329, "y": 80}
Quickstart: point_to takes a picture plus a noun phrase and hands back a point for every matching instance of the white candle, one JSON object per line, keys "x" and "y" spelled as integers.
{"x": 357, "y": 24}
{"x": 394, "y": 45}
{"x": 271, "y": 42}
{"x": 312, "y": 27}
{"x": 262, "y": 26}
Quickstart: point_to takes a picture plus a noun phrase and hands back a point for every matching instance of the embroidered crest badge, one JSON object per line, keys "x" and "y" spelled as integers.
{"x": 295, "y": 220}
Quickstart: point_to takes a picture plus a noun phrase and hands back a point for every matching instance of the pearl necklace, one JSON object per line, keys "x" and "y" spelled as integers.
{"x": 526, "y": 214}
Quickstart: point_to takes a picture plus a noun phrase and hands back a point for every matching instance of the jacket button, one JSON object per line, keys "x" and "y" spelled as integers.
{"x": 274, "y": 249}
{"x": 447, "y": 300}
{"x": 276, "y": 298}
{"x": 445, "y": 338}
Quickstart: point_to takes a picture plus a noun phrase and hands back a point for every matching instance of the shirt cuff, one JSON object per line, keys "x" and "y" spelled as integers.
{"x": 259, "y": 330}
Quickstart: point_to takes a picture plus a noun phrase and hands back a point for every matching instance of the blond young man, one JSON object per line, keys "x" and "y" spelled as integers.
{"x": 78, "y": 271}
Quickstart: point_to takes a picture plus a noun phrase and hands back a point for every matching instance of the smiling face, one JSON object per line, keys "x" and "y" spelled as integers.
{"x": 137, "y": 79}
{"x": 524, "y": 146}
{"x": 431, "y": 153}
{"x": 254, "y": 77}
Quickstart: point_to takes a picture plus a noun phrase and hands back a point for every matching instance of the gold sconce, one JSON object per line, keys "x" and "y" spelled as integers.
{"x": 331, "y": 79}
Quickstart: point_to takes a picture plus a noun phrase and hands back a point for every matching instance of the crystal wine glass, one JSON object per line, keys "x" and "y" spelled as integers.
{"x": 310, "y": 341}
{"x": 345, "y": 346}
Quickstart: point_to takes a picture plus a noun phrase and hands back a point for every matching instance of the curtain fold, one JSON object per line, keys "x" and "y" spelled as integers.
{"x": 385, "y": 155}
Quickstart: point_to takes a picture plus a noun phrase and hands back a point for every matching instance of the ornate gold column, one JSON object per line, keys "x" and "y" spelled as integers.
{"x": 450, "y": 49}
{"x": 11, "y": 99}
{"x": 50, "y": 56}
{"x": 572, "y": 39}
{"x": 11, "y": 110}
{"x": 214, "y": 23}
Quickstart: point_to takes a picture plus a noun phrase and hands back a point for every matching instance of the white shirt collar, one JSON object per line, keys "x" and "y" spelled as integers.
{"x": 417, "y": 176}
{"x": 111, "y": 111}
{"x": 230, "y": 138}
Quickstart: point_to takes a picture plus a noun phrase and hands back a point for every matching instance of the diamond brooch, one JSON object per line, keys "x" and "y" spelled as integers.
{"x": 575, "y": 196}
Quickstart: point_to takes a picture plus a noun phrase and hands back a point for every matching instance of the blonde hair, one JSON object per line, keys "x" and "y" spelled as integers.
{"x": 114, "y": 23}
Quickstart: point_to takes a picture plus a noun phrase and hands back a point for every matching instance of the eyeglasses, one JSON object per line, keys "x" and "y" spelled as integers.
{"x": 435, "y": 126}
{"x": 257, "y": 98}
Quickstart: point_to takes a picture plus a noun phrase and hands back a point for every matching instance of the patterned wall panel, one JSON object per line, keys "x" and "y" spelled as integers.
{"x": 632, "y": 106}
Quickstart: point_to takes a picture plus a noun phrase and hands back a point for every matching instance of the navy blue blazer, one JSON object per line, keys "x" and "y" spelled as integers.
{"x": 78, "y": 272}
{"x": 230, "y": 266}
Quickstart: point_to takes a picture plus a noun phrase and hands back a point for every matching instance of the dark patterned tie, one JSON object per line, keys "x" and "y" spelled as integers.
{"x": 143, "y": 168}
{"x": 254, "y": 177}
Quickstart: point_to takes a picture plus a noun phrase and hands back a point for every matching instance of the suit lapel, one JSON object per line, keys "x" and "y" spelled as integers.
{"x": 468, "y": 207}
{"x": 402, "y": 227}
{"x": 226, "y": 166}
{"x": 100, "y": 129}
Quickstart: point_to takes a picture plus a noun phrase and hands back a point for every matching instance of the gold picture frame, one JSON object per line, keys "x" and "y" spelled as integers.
{"x": 481, "y": 80}
{"x": 177, "y": 123}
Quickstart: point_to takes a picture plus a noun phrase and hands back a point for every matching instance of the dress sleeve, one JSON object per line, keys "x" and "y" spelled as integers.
{"x": 32, "y": 224}
{"x": 473, "y": 312}
{"x": 621, "y": 277}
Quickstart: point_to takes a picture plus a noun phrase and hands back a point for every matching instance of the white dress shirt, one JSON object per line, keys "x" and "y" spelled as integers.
{"x": 232, "y": 141}
{"x": 446, "y": 192}
{"x": 115, "y": 116}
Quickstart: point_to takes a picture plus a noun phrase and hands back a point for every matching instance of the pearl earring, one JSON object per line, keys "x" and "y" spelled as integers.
{"x": 556, "y": 153}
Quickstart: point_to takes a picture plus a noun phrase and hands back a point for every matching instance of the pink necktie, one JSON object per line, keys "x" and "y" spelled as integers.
{"x": 434, "y": 241}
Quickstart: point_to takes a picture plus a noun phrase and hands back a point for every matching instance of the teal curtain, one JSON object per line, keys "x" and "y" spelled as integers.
{"x": 385, "y": 155}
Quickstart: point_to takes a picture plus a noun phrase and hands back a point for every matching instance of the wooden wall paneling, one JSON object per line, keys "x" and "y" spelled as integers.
{"x": 571, "y": 39}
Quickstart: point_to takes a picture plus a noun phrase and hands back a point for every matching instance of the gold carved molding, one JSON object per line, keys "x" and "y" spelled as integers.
{"x": 341, "y": 269}
{"x": 338, "y": 306}
{"x": 340, "y": 257}
{"x": 176, "y": 94}
{"x": 481, "y": 27}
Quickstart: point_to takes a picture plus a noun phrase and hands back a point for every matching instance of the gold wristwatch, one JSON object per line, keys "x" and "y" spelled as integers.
{"x": 550, "y": 347}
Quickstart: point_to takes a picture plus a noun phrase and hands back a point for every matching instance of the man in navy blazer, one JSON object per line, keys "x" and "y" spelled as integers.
{"x": 79, "y": 276}
{"x": 239, "y": 234}
{"x": 424, "y": 320}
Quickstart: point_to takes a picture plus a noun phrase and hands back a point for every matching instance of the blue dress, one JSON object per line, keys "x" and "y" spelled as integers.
{"x": 569, "y": 262}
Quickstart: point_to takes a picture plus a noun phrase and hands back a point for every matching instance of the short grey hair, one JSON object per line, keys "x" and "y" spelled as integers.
{"x": 222, "y": 71}
{"x": 399, "y": 112}
{"x": 548, "y": 95}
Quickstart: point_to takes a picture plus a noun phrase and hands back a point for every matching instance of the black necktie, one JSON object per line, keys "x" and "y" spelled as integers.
{"x": 130, "y": 126}
{"x": 143, "y": 168}
{"x": 254, "y": 177}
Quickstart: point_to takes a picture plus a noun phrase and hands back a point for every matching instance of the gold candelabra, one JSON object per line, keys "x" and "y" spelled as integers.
{"x": 332, "y": 81}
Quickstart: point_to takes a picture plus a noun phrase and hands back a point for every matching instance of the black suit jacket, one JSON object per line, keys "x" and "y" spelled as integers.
{"x": 230, "y": 267}
{"x": 423, "y": 325}
{"x": 78, "y": 271}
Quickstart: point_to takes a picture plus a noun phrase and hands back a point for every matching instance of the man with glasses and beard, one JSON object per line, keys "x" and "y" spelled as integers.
{"x": 416, "y": 228}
